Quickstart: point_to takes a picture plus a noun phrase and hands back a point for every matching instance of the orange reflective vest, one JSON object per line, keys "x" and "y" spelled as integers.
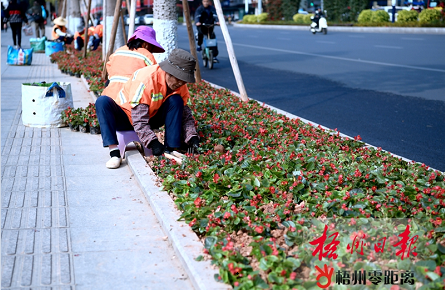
{"x": 54, "y": 34}
{"x": 99, "y": 30}
{"x": 82, "y": 33}
{"x": 122, "y": 64}
{"x": 147, "y": 86}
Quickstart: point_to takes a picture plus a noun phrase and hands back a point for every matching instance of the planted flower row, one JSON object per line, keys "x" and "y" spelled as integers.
{"x": 251, "y": 203}
{"x": 75, "y": 65}
{"x": 82, "y": 119}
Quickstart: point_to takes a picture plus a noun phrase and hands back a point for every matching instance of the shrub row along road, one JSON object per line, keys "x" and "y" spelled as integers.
{"x": 387, "y": 88}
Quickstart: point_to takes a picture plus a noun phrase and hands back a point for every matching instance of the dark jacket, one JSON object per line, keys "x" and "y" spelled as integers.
{"x": 206, "y": 15}
{"x": 36, "y": 13}
{"x": 15, "y": 13}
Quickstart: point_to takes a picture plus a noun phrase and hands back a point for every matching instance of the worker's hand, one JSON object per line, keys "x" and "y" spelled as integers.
{"x": 198, "y": 23}
{"x": 156, "y": 147}
{"x": 194, "y": 141}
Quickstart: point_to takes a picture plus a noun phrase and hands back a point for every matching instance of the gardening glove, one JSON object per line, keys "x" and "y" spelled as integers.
{"x": 157, "y": 147}
{"x": 193, "y": 145}
{"x": 194, "y": 142}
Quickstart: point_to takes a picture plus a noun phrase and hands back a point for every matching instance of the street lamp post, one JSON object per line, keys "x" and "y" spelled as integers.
{"x": 393, "y": 2}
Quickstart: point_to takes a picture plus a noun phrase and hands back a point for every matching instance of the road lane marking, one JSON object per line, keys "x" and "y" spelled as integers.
{"x": 340, "y": 58}
{"x": 280, "y": 38}
{"x": 322, "y": 41}
{"x": 411, "y": 38}
{"x": 388, "y": 46}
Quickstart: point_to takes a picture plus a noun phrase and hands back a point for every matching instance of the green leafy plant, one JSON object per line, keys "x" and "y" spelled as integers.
{"x": 250, "y": 19}
{"x": 430, "y": 15}
{"x": 289, "y": 8}
{"x": 365, "y": 16}
{"x": 407, "y": 16}
{"x": 379, "y": 16}
{"x": 262, "y": 17}
{"x": 298, "y": 18}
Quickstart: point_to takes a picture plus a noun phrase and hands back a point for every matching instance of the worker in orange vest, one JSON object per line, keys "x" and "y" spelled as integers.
{"x": 136, "y": 54}
{"x": 153, "y": 97}
{"x": 59, "y": 31}
{"x": 79, "y": 36}
{"x": 96, "y": 39}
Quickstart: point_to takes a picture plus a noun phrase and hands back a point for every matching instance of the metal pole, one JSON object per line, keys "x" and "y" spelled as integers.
{"x": 260, "y": 6}
{"x": 246, "y": 6}
{"x": 231, "y": 51}
{"x": 192, "y": 43}
{"x": 112, "y": 37}
{"x": 132, "y": 16}
{"x": 86, "y": 30}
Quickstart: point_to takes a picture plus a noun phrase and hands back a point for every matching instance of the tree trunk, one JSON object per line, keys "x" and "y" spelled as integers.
{"x": 74, "y": 17}
{"x": 109, "y": 16}
{"x": 164, "y": 23}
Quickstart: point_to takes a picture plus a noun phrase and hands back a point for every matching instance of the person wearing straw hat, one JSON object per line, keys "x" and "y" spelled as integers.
{"x": 153, "y": 97}
{"x": 136, "y": 54}
{"x": 59, "y": 31}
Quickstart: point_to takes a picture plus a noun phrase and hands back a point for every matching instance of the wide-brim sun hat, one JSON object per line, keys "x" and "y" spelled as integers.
{"x": 60, "y": 21}
{"x": 147, "y": 34}
{"x": 180, "y": 64}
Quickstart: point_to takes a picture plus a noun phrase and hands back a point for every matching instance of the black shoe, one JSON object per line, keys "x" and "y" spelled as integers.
{"x": 199, "y": 48}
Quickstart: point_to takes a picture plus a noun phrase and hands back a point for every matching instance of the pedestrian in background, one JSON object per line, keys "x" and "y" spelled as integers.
{"x": 15, "y": 14}
{"x": 39, "y": 20}
{"x": 4, "y": 25}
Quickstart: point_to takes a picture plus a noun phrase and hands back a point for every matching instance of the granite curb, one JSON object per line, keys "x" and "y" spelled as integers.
{"x": 87, "y": 86}
{"x": 184, "y": 240}
{"x": 400, "y": 30}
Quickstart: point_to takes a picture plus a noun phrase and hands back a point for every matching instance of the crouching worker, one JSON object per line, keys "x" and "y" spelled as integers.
{"x": 153, "y": 97}
{"x": 59, "y": 32}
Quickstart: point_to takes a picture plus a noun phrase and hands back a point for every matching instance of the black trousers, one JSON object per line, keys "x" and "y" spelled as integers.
{"x": 16, "y": 28}
{"x": 204, "y": 30}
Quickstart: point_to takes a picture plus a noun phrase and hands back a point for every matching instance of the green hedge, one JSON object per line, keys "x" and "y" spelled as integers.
{"x": 250, "y": 19}
{"x": 365, "y": 16}
{"x": 262, "y": 17}
{"x": 430, "y": 15}
{"x": 380, "y": 16}
{"x": 407, "y": 16}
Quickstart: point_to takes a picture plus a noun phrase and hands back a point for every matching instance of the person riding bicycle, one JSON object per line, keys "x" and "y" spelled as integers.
{"x": 205, "y": 14}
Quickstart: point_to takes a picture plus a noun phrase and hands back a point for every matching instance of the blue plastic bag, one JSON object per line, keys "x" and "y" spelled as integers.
{"x": 53, "y": 46}
{"x": 19, "y": 56}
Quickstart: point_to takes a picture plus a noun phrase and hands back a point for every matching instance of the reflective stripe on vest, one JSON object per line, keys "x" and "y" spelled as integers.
{"x": 122, "y": 98}
{"x": 119, "y": 79}
{"x": 156, "y": 97}
{"x": 135, "y": 55}
{"x": 138, "y": 95}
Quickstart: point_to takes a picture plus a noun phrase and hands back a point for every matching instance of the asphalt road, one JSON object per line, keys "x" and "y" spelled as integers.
{"x": 387, "y": 88}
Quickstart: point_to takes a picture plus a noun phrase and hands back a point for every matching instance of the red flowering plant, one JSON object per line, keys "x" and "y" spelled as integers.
{"x": 66, "y": 114}
{"x": 90, "y": 114}
{"x": 249, "y": 203}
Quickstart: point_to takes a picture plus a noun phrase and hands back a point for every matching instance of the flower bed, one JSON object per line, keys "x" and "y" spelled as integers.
{"x": 75, "y": 64}
{"x": 82, "y": 119}
{"x": 250, "y": 202}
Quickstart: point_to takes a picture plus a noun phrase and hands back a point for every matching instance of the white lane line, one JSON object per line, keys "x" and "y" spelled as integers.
{"x": 280, "y": 38}
{"x": 388, "y": 46}
{"x": 341, "y": 58}
{"x": 322, "y": 41}
{"x": 411, "y": 38}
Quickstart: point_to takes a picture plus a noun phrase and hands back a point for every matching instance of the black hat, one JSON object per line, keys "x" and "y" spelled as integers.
{"x": 180, "y": 64}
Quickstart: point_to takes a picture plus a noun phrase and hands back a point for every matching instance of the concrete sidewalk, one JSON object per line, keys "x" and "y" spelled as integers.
{"x": 67, "y": 221}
